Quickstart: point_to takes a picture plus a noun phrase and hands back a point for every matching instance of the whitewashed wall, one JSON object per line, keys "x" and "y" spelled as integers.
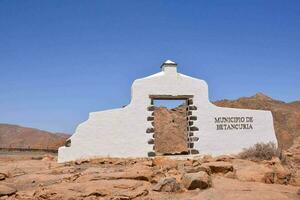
{"x": 122, "y": 132}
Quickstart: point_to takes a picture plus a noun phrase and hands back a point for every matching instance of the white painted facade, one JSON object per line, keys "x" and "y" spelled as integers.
{"x": 122, "y": 132}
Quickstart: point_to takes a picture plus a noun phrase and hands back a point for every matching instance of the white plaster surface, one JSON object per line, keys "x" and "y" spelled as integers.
{"x": 122, "y": 132}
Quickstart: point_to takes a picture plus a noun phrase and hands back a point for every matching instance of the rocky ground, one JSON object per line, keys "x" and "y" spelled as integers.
{"x": 223, "y": 177}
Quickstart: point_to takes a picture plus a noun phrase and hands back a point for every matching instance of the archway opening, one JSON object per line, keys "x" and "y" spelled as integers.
{"x": 170, "y": 125}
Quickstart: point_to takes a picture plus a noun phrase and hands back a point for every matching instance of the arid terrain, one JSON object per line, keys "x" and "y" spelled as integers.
{"x": 203, "y": 177}
{"x": 18, "y": 137}
{"x": 36, "y": 175}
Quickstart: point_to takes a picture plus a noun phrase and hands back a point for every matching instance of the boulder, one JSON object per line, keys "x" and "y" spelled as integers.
{"x": 219, "y": 167}
{"x": 137, "y": 172}
{"x": 207, "y": 158}
{"x": 225, "y": 158}
{"x": 7, "y": 191}
{"x": 164, "y": 162}
{"x": 199, "y": 180}
{"x": 266, "y": 171}
{"x": 48, "y": 157}
{"x": 3, "y": 176}
{"x": 282, "y": 175}
{"x": 168, "y": 184}
{"x": 191, "y": 169}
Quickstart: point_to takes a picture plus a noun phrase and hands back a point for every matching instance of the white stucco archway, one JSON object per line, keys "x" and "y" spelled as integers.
{"x": 123, "y": 132}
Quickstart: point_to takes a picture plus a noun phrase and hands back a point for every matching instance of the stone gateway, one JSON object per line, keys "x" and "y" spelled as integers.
{"x": 130, "y": 131}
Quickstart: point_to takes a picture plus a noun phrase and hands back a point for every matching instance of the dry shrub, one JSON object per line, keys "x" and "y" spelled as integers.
{"x": 260, "y": 151}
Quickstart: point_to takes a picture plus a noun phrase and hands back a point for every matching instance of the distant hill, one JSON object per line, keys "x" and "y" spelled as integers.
{"x": 13, "y": 136}
{"x": 286, "y": 115}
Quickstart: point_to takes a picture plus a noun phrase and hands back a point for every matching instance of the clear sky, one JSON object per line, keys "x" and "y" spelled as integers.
{"x": 60, "y": 60}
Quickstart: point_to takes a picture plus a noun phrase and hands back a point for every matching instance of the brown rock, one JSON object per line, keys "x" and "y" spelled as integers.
{"x": 138, "y": 172}
{"x": 282, "y": 175}
{"x": 48, "y": 158}
{"x": 168, "y": 184}
{"x": 170, "y": 128}
{"x": 3, "y": 176}
{"x": 251, "y": 171}
{"x": 199, "y": 180}
{"x": 196, "y": 163}
{"x": 219, "y": 167}
{"x": 225, "y": 158}
{"x": 233, "y": 189}
{"x": 207, "y": 158}
{"x": 231, "y": 174}
{"x": 269, "y": 177}
{"x": 191, "y": 169}
{"x": 164, "y": 162}
{"x": 5, "y": 190}
{"x": 79, "y": 162}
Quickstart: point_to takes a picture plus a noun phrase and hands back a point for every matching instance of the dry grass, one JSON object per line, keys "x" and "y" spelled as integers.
{"x": 260, "y": 151}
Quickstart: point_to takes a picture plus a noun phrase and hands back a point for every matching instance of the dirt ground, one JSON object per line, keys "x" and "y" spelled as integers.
{"x": 39, "y": 176}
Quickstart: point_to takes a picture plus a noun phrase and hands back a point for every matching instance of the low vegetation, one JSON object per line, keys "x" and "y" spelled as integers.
{"x": 260, "y": 151}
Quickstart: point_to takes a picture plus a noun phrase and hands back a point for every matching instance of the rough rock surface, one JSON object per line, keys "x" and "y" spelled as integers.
{"x": 151, "y": 179}
{"x": 6, "y": 190}
{"x": 2, "y": 176}
{"x": 170, "y": 128}
{"x": 168, "y": 184}
{"x": 292, "y": 159}
{"x": 199, "y": 180}
{"x": 219, "y": 167}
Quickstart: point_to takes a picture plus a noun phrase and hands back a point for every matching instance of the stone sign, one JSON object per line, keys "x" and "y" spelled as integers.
{"x": 129, "y": 131}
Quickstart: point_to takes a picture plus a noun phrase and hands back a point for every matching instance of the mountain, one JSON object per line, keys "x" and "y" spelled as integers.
{"x": 13, "y": 136}
{"x": 286, "y": 115}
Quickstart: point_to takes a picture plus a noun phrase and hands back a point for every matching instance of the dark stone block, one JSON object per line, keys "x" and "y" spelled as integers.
{"x": 151, "y": 141}
{"x": 193, "y": 118}
{"x": 193, "y": 139}
{"x": 151, "y": 108}
{"x": 150, "y": 118}
{"x": 150, "y": 130}
{"x": 192, "y": 108}
{"x": 190, "y": 134}
{"x": 68, "y": 143}
{"x": 194, "y": 151}
{"x": 151, "y": 154}
{"x": 194, "y": 128}
{"x": 190, "y": 145}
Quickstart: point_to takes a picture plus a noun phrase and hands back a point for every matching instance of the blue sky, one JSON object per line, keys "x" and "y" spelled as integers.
{"x": 60, "y": 60}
